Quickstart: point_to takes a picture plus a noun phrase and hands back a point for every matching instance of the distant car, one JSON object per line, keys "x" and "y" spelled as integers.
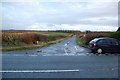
{"x": 105, "y": 45}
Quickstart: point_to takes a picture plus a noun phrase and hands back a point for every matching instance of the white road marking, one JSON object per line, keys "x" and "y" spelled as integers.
{"x": 75, "y": 47}
{"x": 81, "y": 49}
{"x": 65, "y": 51}
{"x": 33, "y": 55}
{"x": 36, "y": 71}
{"x": 65, "y": 45}
{"x": 81, "y": 54}
{"x": 68, "y": 42}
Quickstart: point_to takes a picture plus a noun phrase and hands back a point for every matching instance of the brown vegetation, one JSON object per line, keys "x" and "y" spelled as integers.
{"x": 12, "y": 39}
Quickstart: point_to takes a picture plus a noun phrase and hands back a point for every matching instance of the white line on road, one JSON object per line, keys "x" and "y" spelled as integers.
{"x": 37, "y": 71}
{"x": 75, "y": 47}
{"x": 65, "y": 51}
{"x": 67, "y": 43}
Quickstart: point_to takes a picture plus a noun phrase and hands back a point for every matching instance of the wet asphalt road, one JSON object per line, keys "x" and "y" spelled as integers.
{"x": 60, "y": 60}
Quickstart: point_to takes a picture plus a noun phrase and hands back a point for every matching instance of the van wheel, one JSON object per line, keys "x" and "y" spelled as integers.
{"x": 99, "y": 51}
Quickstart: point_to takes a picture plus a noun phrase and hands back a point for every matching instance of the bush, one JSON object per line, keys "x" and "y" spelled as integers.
{"x": 27, "y": 38}
{"x": 10, "y": 39}
{"x": 84, "y": 40}
{"x": 89, "y": 37}
{"x": 115, "y": 35}
{"x": 13, "y": 38}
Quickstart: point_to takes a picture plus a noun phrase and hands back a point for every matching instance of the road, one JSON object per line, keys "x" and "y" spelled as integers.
{"x": 60, "y": 60}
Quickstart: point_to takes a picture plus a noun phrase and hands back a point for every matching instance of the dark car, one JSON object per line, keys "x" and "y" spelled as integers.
{"x": 105, "y": 45}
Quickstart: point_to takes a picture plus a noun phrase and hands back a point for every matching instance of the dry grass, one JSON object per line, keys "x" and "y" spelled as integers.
{"x": 18, "y": 39}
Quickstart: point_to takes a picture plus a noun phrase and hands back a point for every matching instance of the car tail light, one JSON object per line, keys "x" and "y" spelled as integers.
{"x": 94, "y": 44}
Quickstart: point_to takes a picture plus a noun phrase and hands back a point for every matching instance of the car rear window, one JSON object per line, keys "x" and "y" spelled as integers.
{"x": 94, "y": 40}
{"x": 118, "y": 42}
{"x": 108, "y": 41}
{"x": 115, "y": 42}
{"x": 104, "y": 41}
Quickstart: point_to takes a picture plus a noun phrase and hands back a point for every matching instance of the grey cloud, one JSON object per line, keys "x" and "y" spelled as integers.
{"x": 27, "y": 14}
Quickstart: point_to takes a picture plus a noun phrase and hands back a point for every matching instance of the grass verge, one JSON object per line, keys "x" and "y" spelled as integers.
{"x": 28, "y": 47}
{"x": 30, "y": 40}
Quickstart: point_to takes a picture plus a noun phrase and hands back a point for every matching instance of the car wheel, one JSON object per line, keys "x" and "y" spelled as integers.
{"x": 99, "y": 50}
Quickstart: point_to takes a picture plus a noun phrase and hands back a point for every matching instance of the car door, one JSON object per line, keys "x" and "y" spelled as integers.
{"x": 108, "y": 46}
{"x": 105, "y": 44}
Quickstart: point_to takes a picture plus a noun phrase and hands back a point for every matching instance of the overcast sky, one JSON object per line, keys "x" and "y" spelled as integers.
{"x": 35, "y": 15}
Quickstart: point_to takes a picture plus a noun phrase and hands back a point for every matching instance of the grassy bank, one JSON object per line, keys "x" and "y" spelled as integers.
{"x": 83, "y": 39}
{"x": 21, "y": 40}
{"x": 30, "y": 46}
